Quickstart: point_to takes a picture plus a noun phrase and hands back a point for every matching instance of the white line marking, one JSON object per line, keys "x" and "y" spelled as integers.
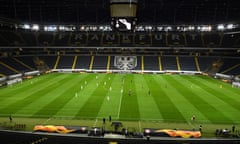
{"x": 189, "y": 123}
{"x": 95, "y": 123}
{"x": 47, "y": 120}
{"x": 139, "y": 125}
{"x": 120, "y": 103}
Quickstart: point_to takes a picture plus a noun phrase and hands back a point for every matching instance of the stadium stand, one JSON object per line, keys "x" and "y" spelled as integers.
{"x": 211, "y": 40}
{"x": 139, "y": 63}
{"x": 193, "y": 40}
{"x": 169, "y": 63}
{"x": 29, "y": 38}
{"x": 49, "y": 61}
{"x": 62, "y": 39}
{"x": 100, "y": 62}
{"x": 12, "y": 38}
{"x": 6, "y": 70}
{"x": 65, "y": 62}
{"x": 206, "y": 62}
{"x": 15, "y": 64}
{"x": 27, "y": 61}
{"x": 230, "y": 40}
{"x": 82, "y": 37}
{"x": 187, "y": 63}
{"x": 45, "y": 38}
{"x": 176, "y": 39}
{"x": 151, "y": 63}
{"x": 83, "y": 62}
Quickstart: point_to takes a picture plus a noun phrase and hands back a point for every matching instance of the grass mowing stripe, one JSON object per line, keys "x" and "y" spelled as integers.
{"x": 226, "y": 109}
{"x": 129, "y": 109}
{"x": 9, "y": 92}
{"x": 221, "y": 92}
{"x": 217, "y": 83}
{"x": 148, "y": 108}
{"x": 93, "y": 104}
{"x": 45, "y": 98}
{"x": 68, "y": 87}
{"x": 71, "y": 108}
{"x": 28, "y": 98}
{"x": 183, "y": 104}
{"x": 166, "y": 106}
{"x": 110, "y": 105}
{"x": 209, "y": 111}
{"x": 218, "y": 92}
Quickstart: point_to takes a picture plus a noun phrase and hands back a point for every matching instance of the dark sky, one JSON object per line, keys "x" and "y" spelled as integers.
{"x": 98, "y": 11}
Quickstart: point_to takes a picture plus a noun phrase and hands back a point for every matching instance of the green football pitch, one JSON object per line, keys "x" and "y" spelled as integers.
{"x": 124, "y": 97}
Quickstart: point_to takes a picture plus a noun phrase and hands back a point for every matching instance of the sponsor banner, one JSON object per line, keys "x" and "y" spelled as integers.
{"x": 61, "y": 129}
{"x": 171, "y": 133}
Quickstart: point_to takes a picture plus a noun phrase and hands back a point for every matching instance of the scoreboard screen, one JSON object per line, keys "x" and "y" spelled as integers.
{"x": 123, "y": 13}
{"x": 123, "y": 24}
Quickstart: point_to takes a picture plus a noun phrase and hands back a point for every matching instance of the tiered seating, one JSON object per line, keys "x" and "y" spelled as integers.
{"x": 29, "y": 38}
{"x": 187, "y": 63}
{"x": 151, "y": 63}
{"x": 193, "y": 40}
{"x": 231, "y": 40}
{"x": 12, "y": 38}
{"x": 45, "y": 38}
{"x": 139, "y": 63}
{"x": 94, "y": 39}
{"x": 175, "y": 39}
{"x": 83, "y": 62}
{"x": 112, "y": 67}
{"x": 142, "y": 39}
{"x": 234, "y": 71}
{"x": 126, "y": 39}
{"x": 61, "y": 39}
{"x": 12, "y": 63}
{"x": 159, "y": 39}
{"x": 169, "y": 63}
{"x": 230, "y": 66}
{"x": 98, "y": 39}
{"x": 65, "y": 62}
{"x": 211, "y": 39}
{"x": 100, "y": 62}
{"x": 5, "y": 71}
{"x": 28, "y": 60}
{"x": 3, "y": 41}
{"x": 110, "y": 39}
{"x": 49, "y": 60}
{"x": 78, "y": 39}
{"x": 205, "y": 63}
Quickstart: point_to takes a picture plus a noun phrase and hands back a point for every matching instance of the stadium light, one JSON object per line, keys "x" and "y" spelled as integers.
{"x": 50, "y": 28}
{"x": 230, "y": 26}
{"x": 26, "y": 26}
{"x": 35, "y": 27}
{"x": 220, "y": 27}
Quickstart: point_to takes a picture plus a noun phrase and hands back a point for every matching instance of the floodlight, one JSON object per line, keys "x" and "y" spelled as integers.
{"x": 230, "y": 26}
{"x": 220, "y": 27}
{"x": 26, "y": 26}
{"x": 35, "y": 27}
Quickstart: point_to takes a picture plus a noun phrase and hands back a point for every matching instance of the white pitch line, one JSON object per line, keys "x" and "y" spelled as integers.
{"x": 139, "y": 125}
{"x": 95, "y": 122}
{"x": 47, "y": 120}
{"x": 120, "y": 103}
{"x": 190, "y": 124}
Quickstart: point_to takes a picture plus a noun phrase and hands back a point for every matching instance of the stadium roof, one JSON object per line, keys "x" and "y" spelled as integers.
{"x": 98, "y": 11}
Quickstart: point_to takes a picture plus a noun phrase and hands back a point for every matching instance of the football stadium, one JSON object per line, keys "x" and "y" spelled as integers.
{"x": 119, "y": 71}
